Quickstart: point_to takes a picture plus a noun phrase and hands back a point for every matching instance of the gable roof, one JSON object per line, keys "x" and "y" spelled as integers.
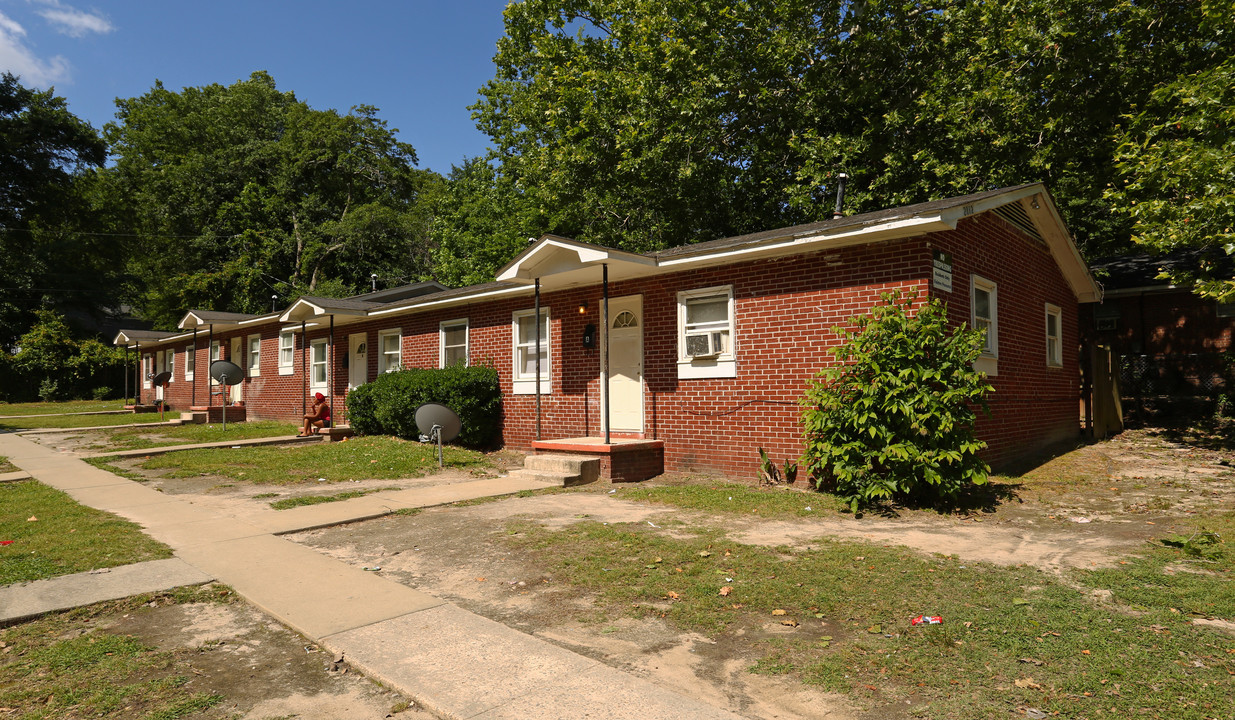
{"x": 129, "y": 338}
{"x": 1139, "y": 273}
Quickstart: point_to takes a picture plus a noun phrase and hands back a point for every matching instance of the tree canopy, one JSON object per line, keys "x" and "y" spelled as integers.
{"x": 48, "y": 259}
{"x": 239, "y": 192}
{"x": 644, "y": 124}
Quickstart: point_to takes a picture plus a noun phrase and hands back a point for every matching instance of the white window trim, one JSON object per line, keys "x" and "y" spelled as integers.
{"x": 1054, "y": 359}
{"x": 190, "y": 362}
{"x": 723, "y": 365}
{"x": 382, "y": 364}
{"x": 988, "y": 362}
{"x": 216, "y": 352}
{"x": 147, "y": 371}
{"x": 171, "y": 361}
{"x": 441, "y": 341}
{"x": 289, "y": 367}
{"x": 313, "y": 383}
{"x": 522, "y": 384}
{"x": 254, "y": 370}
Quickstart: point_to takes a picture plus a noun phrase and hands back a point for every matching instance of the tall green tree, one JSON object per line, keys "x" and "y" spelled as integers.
{"x": 239, "y": 192}
{"x": 1176, "y": 157}
{"x": 48, "y": 256}
{"x": 481, "y": 221}
{"x": 643, "y": 124}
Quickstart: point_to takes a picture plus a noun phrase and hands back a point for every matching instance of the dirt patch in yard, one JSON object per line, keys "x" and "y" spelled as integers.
{"x": 261, "y": 669}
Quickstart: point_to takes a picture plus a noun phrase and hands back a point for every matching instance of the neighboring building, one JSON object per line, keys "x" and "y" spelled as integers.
{"x": 1169, "y": 342}
{"x": 710, "y": 346}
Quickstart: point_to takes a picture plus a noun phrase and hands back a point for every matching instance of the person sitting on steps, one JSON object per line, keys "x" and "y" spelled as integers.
{"x": 318, "y": 417}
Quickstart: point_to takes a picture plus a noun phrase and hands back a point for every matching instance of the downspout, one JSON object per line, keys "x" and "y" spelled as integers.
{"x": 536, "y": 316}
{"x": 304, "y": 371}
{"x": 604, "y": 314}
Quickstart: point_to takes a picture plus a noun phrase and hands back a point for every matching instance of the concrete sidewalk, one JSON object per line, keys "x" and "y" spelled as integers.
{"x": 164, "y": 449}
{"x": 27, "y": 600}
{"x": 455, "y": 663}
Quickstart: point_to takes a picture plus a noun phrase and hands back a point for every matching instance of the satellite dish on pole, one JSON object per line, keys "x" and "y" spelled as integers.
{"x": 162, "y": 378}
{"x": 442, "y": 423}
{"x": 227, "y": 373}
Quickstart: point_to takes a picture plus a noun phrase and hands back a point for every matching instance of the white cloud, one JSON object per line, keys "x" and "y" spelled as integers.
{"x": 18, "y": 59}
{"x": 73, "y": 22}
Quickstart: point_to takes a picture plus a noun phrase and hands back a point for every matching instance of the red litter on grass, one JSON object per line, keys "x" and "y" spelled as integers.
{"x": 927, "y": 620}
{"x": 6, "y": 542}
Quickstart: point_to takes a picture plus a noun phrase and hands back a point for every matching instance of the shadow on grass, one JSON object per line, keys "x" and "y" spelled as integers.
{"x": 1215, "y": 434}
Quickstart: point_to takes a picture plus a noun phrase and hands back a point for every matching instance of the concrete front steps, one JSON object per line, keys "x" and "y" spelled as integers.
{"x": 561, "y": 470}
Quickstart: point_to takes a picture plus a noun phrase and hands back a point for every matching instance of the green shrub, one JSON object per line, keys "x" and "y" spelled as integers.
{"x": 895, "y": 418}
{"x": 387, "y": 406}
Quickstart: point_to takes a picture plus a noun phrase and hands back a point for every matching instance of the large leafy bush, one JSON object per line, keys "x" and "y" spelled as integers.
{"x": 894, "y": 419}
{"x": 387, "y": 406}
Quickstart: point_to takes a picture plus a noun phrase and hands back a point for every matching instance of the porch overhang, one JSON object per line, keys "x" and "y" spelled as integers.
{"x": 562, "y": 263}
{"x": 305, "y": 309}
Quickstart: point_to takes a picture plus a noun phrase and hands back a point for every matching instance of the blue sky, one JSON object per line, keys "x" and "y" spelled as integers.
{"x": 421, "y": 62}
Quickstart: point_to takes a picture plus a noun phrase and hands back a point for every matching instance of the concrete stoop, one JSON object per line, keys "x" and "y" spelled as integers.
{"x": 563, "y": 470}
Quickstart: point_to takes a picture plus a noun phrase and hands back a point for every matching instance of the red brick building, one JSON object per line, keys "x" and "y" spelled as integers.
{"x": 709, "y": 346}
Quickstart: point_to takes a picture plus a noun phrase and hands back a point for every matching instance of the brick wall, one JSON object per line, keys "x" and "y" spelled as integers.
{"x": 785, "y": 311}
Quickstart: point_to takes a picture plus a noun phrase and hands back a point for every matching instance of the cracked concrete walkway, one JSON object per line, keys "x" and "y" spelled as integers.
{"x": 456, "y": 663}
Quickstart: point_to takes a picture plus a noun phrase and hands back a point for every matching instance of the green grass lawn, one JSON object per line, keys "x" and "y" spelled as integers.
{"x": 65, "y": 537}
{"x": 1011, "y": 639}
{"x": 138, "y": 438}
{"x": 6, "y": 466}
{"x": 63, "y": 666}
{"x": 366, "y": 458}
{"x": 81, "y": 421}
{"x": 41, "y": 408}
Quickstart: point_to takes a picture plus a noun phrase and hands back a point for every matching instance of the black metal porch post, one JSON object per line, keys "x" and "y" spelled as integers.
{"x": 193, "y": 401}
{"x": 137, "y": 388}
{"x": 330, "y": 382}
{"x": 304, "y": 371}
{"x": 126, "y": 373}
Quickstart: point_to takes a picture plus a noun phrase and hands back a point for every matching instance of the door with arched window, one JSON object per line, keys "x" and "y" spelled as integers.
{"x": 626, "y": 363}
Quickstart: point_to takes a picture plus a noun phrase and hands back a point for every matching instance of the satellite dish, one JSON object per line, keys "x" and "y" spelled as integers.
{"x": 431, "y": 416}
{"x": 441, "y": 422}
{"x": 228, "y": 373}
{"x": 161, "y": 378}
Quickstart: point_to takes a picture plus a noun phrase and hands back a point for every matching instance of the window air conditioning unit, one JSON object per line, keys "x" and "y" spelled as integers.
{"x": 705, "y": 344}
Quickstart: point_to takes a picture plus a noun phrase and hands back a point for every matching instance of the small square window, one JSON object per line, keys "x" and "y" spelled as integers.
{"x": 1054, "y": 336}
{"x": 287, "y": 352}
{"x": 255, "y": 355}
{"x": 526, "y": 352}
{"x": 389, "y": 343}
{"x": 453, "y": 342}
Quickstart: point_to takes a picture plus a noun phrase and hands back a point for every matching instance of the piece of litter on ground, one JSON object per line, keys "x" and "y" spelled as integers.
{"x": 32, "y": 519}
{"x": 321, "y": 479}
{"x": 6, "y": 542}
{"x": 1079, "y": 519}
{"x": 235, "y": 447}
{"x": 650, "y": 523}
{"x": 373, "y": 569}
{"x": 808, "y": 508}
{"x": 611, "y": 492}
{"x": 1034, "y": 713}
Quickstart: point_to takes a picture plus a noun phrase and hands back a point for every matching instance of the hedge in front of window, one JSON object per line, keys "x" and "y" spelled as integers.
{"x": 895, "y": 418}
{"x": 387, "y": 405}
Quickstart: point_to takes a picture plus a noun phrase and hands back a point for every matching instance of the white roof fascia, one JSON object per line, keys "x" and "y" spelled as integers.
{"x": 1059, "y": 241}
{"x": 892, "y": 230}
{"x": 457, "y": 300}
{"x": 261, "y": 319}
{"x": 586, "y": 254}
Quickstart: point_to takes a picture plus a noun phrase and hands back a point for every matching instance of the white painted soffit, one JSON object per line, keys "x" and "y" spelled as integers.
{"x": 552, "y": 255}
{"x": 193, "y": 320}
{"x": 122, "y": 339}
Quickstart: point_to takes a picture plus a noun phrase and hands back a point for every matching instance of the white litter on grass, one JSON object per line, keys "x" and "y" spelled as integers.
{"x": 1080, "y": 519}
{"x": 808, "y": 508}
{"x": 650, "y": 523}
{"x": 611, "y": 492}
{"x": 321, "y": 479}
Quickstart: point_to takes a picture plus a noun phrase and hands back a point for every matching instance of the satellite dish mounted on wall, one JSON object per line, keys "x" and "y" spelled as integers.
{"x": 442, "y": 423}
{"x": 227, "y": 373}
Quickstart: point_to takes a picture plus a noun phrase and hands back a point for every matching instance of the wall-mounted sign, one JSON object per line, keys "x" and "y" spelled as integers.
{"x": 941, "y": 275}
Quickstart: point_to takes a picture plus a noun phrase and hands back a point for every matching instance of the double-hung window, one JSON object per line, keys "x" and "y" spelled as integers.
{"x": 526, "y": 352}
{"x": 190, "y": 361}
{"x": 255, "y": 355}
{"x": 706, "y": 333}
{"x": 317, "y": 365}
{"x": 215, "y": 350}
{"x": 170, "y": 367}
{"x": 984, "y": 314}
{"x": 287, "y": 352}
{"x": 453, "y": 342}
{"x": 148, "y": 366}
{"x": 389, "y": 343}
{"x": 1054, "y": 336}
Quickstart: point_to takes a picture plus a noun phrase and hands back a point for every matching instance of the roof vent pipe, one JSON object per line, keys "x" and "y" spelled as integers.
{"x": 840, "y": 194}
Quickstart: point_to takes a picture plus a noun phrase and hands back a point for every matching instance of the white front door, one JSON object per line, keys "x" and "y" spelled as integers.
{"x": 235, "y": 393}
{"x": 626, "y": 363}
{"x": 358, "y": 359}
